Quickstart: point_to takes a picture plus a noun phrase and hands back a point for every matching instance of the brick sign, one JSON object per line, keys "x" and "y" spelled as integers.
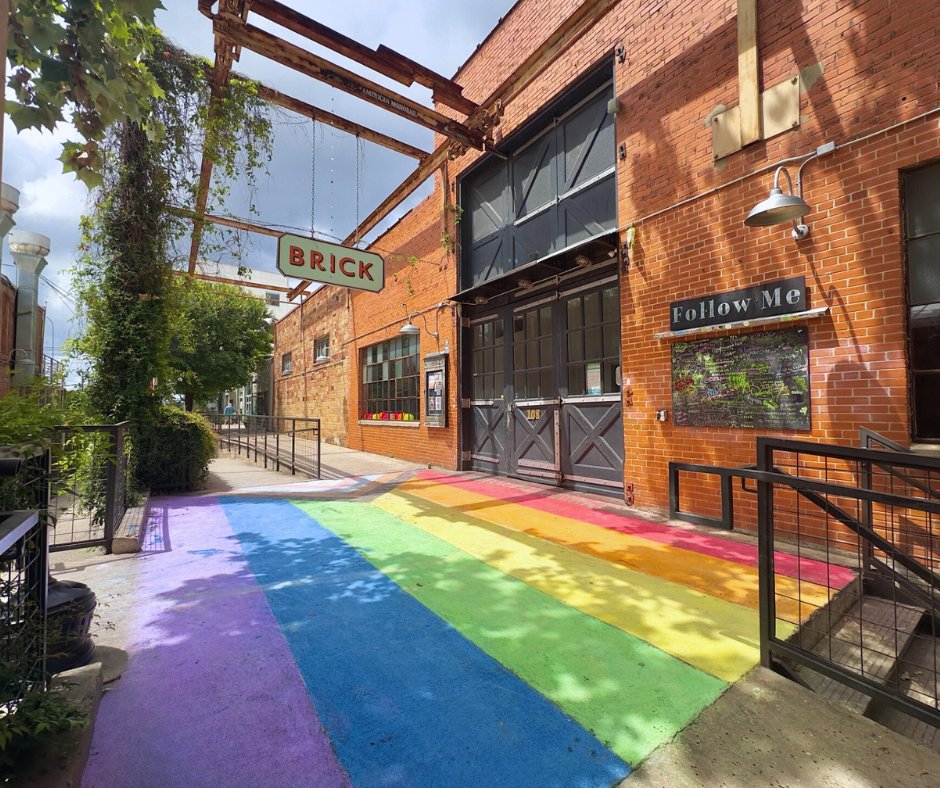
{"x": 776, "y": 298}
{"x": 318, "y": 261}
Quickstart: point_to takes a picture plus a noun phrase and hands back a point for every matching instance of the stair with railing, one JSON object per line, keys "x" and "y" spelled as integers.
{"x": 874, "y": 647}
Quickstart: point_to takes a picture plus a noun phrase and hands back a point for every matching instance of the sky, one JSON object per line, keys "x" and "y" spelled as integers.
{"x": 439, "y": 35}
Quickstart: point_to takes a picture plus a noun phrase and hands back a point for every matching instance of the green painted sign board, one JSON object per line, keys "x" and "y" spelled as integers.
{"x": 318, "y": 261}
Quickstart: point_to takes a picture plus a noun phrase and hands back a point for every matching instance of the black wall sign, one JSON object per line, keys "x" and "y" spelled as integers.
{"x": 768, "y": 300}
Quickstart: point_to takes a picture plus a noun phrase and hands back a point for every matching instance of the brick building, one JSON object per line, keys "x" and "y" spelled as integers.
{"x": 598, "y": 303}
{"x": 8, "y": 345}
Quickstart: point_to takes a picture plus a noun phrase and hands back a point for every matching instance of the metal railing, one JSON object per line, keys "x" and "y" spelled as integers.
{"x": 79, "y": 482}
{"x": 873, "y": 513}
{"x": 852, "y": 508}
{"x": 23, "y": 577}
{"x": 88, "y": 489}
{"x": 277, "y": 442}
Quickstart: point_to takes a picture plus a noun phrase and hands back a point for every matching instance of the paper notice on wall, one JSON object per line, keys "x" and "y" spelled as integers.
{"x": 593, "y": 381}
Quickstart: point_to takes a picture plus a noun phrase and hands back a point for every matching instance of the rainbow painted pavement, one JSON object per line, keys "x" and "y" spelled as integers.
{"x": 453, "y": 631}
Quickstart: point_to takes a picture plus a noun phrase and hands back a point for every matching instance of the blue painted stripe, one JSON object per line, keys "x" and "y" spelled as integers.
{"x": 405, "y": 698}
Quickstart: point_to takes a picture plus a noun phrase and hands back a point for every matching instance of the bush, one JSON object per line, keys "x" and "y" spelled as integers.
{"x": 173, "y": 450}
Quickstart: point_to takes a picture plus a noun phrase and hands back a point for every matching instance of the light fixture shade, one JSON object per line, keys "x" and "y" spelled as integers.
{"x": 409, "y": 328}
{"x": 778, "y": 208}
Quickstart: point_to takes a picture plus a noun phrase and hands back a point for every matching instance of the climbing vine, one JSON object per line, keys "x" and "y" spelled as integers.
{"x": 132, "y": 237}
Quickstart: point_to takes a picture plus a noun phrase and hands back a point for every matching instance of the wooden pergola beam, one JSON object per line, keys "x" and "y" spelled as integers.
{"x": 292, "y": 56}
{"x": 383, "y": 60}
{"x": 308, "y": 110}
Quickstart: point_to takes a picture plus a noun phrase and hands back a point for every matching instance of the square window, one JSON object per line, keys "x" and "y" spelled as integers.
{"x": 287, "y": 364}
{"x": 396, "y": 364}
{"x": 321, "y": 349}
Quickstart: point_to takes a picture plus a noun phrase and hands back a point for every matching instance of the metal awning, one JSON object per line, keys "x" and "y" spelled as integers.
{"x": 600, "y": 249}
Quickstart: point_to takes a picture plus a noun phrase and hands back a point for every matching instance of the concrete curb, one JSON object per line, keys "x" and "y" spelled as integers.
{"x": 61, "y": 762}
{"x": 129, "y": 536}
{"x": 767, "y": 730}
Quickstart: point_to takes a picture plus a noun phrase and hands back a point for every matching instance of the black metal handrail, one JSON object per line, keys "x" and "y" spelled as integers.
{"x": 770, "y": 452}
{"x": 276, "y": 441}
{"x": 24, "y": 566}
{"x": 868, "y": 437}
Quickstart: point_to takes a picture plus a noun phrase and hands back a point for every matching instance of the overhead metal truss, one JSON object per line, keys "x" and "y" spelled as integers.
{"x": 232, "y": 32}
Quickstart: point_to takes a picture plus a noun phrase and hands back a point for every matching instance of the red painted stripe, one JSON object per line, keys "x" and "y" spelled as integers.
{"x": 831, "y": 575}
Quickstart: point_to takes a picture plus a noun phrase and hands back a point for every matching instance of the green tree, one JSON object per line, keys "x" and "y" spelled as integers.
{"x": 125, "y": 275}
{"x": 84, "y": 62}
{"x": 221, "y": 334}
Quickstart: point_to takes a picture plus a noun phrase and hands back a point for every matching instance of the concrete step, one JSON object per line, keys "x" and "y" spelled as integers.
{"x": 869, "y": 640}
{"x": 917, "y": 674}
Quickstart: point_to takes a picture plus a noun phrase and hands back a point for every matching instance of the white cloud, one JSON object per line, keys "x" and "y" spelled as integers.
{"x": 54, "y": 196}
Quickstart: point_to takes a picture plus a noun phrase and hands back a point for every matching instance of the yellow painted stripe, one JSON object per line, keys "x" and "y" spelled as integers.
{"x": 718, "y": 577}
{"x": 716, "y": 636}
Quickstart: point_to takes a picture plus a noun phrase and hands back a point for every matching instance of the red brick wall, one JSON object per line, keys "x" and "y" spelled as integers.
{"x": 312, "y": 389}
{"x": 419, "y": 274}
{"x": 865, "y": 66}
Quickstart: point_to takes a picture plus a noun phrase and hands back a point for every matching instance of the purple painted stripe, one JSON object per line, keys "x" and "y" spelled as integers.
{"x": 212, "y": 695}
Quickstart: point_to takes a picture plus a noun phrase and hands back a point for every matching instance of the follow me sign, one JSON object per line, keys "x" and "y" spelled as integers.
{"x": 318, "y": 261}
{"x": 782, "y": 297}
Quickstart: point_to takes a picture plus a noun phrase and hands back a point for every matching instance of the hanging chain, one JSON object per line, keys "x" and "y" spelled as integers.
{"x": 358, "y": 180}
{"x": 313, "y": 173}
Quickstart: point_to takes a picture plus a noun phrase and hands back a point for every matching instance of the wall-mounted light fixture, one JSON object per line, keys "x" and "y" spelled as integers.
{"x": 411, "y": 328}
{"x": 780, "y": 208}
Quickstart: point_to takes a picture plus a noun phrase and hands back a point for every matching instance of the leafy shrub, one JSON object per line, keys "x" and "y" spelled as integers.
{"x": 27, "y": 725}
{"x": 173, "y": 450}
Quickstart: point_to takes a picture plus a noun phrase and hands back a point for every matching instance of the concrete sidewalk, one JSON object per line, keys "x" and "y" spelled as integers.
{"x": 212, "y": 695}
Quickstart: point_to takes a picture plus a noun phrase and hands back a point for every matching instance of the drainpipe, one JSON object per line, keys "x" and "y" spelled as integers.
{"x": 9, "y": 202}
{"x": 29, "y": 252}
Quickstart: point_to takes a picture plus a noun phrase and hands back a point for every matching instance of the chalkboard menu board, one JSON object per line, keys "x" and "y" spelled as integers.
{"x": 746, "y": 380}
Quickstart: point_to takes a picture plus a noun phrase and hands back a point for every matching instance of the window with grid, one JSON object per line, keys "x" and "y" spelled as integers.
{"x": 390, "y": 383}
{"x": 272, "y": 299}
{"x": 321, "y": 348}
{"x": 533, "y": 374}
{"x": 287, "y": 364}
{"x": 593, "y": 342}
{"x": 488, "y": 381}
{"x": 922, "y": 206}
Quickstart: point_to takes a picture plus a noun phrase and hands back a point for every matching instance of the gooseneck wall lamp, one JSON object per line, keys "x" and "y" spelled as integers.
{"x": 780, "y": 208}
{"x": 411, "y": 328}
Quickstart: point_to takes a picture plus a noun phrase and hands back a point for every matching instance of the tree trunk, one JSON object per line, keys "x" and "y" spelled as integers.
{"x": 188, "y": 401}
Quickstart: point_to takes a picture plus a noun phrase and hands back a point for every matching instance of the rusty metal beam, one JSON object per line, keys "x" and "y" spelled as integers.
{"x": 225, "y": 55}
{"x": 287, "y": 54}
{"x": 237, "y": 282}
{"x": 226, "y": 221}
{"x": 310, "y": 111}
{"x": 384, "y": 60}
{"x": 580, "y": 20}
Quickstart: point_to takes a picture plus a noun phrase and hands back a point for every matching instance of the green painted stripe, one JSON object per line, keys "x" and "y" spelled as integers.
{"x": 709, "y": 633}
{"x": 628, "y": 693}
